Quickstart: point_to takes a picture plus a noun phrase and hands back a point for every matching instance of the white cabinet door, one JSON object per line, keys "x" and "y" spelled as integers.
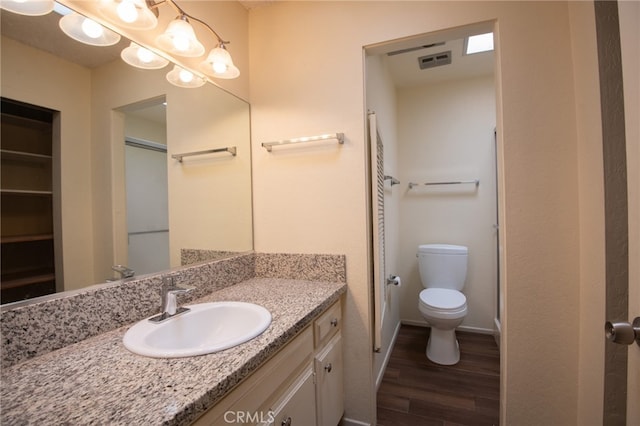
{"x": 298, "y": 405}
{"x": 329, "y": 387}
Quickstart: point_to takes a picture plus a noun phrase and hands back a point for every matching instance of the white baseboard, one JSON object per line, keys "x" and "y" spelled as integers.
{"x": 461, "y": 328}
{"x": 497, "y": 331}
{"x": 387, "y": 356}
{"x": 351, "y": 422}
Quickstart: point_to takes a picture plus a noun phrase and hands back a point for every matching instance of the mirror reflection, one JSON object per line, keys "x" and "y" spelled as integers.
{"x": 112, "y": 196}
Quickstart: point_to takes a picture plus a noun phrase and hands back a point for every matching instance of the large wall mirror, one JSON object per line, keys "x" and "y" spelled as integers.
{"x": 119, "y": 196}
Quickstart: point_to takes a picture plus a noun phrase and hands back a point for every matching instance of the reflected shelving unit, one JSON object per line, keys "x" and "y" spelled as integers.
{"x": 26, "y": 209}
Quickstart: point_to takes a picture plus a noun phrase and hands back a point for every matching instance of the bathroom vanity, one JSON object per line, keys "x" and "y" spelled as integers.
{"x": 300, "y": 385}
{"x": 290, "y": 374}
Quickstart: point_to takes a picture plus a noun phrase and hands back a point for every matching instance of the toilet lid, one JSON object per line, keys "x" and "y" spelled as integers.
{"x": 442, "y": 298}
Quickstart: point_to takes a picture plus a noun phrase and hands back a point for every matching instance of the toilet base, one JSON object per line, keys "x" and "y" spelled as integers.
{"x": 442, "y": 347}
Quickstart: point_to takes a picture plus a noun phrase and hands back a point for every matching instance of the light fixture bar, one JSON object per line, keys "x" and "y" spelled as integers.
{"x": 338, "y": 136}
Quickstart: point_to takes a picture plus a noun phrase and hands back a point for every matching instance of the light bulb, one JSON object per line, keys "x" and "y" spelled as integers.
{"x": 186, "y": 76}
{"x": 127, "y": 11}
{"x": 91, "y": 28}
{"x": 145, "y": 55}
{"x": 181, "y": 42}
{"x": 219, "y": 67}
{"x": 28, "y": 7}
{"x": 180, "y": 39}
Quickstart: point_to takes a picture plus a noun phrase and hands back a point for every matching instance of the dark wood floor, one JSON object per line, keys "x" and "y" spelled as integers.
{"x": 415, "y": 391}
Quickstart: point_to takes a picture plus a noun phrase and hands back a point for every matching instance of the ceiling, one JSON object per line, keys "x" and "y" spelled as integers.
{"x": 405, "y": 70}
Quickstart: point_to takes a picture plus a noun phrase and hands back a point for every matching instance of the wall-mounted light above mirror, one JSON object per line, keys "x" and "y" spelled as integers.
{"x": 89, "y": 23}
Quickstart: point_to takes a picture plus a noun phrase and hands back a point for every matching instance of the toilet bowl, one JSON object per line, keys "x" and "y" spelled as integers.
{"x": 444, "y": 310}
{"x": 443, "y": 270}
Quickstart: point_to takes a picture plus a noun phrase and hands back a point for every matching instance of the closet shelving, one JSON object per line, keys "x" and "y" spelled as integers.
{"x": 26, "y": 209}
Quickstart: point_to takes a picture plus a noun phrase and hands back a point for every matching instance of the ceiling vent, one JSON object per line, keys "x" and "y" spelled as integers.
{"x": 412, "y": 49}
{"x": 435, "y": 60}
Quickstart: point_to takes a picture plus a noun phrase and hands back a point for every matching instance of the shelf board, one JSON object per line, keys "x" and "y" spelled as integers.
{"x": 24, "y": 192}
{"x": 26, "y": 238}
{"x": 24, "y": 281}
{"x": 24, "y": 155}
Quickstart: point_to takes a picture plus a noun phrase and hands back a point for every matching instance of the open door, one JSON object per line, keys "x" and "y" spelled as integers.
{"x": 629, "y": 12}
{"x": 377, "y": 208}
{"x": 617, "y": 28}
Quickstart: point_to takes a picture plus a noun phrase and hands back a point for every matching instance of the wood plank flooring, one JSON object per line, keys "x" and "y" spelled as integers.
{"x": 415, "y": 391}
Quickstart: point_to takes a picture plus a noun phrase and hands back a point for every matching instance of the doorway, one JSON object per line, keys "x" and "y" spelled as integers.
{"x": 435, "y": 107}
{"x": 147, "y": 188}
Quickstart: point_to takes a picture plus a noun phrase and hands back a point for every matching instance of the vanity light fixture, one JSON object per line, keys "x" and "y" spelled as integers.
{"x": 180, "y": 39}
{"x": 219, "y": 64}
{"x": 87, "y": 31}
{"x": 129, "y": 13}
{"x": 141, "y": 57}
{"x": 181, "y": 77}
{"x": 28, "y": 7}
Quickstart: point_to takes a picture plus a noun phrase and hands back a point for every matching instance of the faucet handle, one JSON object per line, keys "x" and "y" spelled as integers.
{"x": 172, "y": 303}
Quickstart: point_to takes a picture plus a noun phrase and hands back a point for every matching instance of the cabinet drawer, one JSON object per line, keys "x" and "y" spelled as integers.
{"x": 328, "y": 324}
{"x": 298, "y": 405}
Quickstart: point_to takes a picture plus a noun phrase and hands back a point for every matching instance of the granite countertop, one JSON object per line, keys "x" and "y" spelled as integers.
{"x": 98, "y": 381}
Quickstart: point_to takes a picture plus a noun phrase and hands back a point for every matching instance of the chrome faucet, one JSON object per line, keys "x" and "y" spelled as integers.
{"x": 123, "y": 271}
{"x": 169, "y": 307}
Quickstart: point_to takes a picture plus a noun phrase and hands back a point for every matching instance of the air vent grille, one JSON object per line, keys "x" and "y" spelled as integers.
{"x": 435, "y": 60}
{"x": 411, "y": 49}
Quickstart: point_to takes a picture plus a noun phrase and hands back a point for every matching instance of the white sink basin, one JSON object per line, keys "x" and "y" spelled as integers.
{"x": 206, "y": 328}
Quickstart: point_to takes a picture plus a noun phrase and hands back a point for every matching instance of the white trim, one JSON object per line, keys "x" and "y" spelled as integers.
{"x": 351, "y": 422}
{"x": 461, "y": 328}
{"x": 387, "y": 356}
{"x": 498, "y": 331}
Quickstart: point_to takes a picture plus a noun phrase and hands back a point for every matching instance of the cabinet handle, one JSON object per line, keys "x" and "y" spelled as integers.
{"x": 334, "y": 322}
{"x": 328, "y": 367}
{"x": 286, "y": 422}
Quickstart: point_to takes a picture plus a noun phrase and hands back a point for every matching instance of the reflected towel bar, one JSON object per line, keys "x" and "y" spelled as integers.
{"x": 231, "y": 149}
{"x": 475, "y": 181}
{"x": 338, "y": 136}
{"x": 393, "y": 180}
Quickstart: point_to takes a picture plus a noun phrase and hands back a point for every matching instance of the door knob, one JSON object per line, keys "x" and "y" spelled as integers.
{"x": 623, "y": 332}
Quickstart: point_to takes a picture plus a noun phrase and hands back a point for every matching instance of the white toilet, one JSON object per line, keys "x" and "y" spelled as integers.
{"x": 443, "y": 270}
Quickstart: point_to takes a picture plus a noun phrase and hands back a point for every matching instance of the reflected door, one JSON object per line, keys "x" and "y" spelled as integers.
{"x": 147, "y": 208}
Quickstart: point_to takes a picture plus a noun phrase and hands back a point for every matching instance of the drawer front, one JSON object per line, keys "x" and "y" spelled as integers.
{"x": 328, "y": 324}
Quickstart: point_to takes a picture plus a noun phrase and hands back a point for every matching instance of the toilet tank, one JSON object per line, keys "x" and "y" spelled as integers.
{"x": 442, "y": 266}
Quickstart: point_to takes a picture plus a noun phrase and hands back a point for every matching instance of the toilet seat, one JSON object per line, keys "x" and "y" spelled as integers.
{"x": 443, "y": 303}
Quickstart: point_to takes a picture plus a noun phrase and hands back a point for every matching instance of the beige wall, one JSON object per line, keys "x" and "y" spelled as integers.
{"x": 148, "y": 130}
{"x": 307, "y": 78}
{"x": 213, "y": 191}
{"x": 27, "y": 76}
